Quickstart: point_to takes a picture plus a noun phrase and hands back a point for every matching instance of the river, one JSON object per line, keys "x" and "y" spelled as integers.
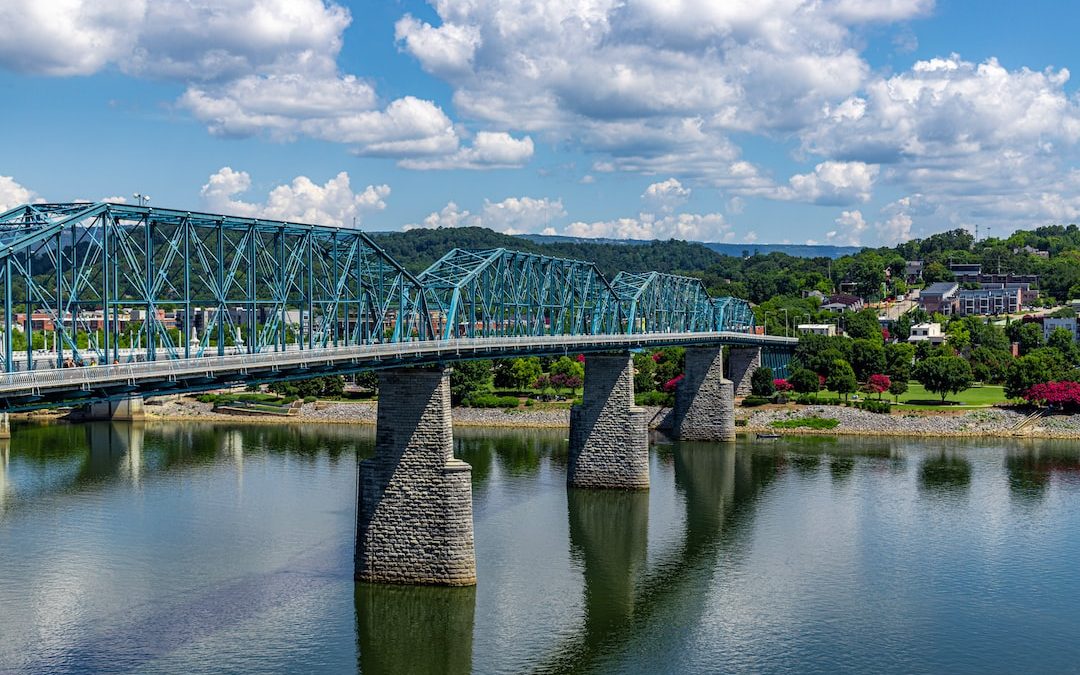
{"x": 192, "y": 548}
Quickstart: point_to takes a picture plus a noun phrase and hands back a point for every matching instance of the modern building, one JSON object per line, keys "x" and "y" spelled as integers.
{"x": 1051, "y": 324}
{"x": 926, "y": 332}
{"x": 940, "y": 297}
{"x": 818, "y": 328}
{"x": 1028, "y": 295}
{"x": 988, "y": 301}
{"x": 843, "y": 302}
{"x": 966, "y": 272}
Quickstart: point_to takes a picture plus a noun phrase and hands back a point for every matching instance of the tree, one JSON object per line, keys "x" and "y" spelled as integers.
{"x": 1062, "y": 340}
{"x": 878, "y": 383}
{"x": 867, "y": 358}
{"x": 943, "y": 375}
{"x": 1026, "y": 372}
{"x": 568, "y": 367}
{"x": 898, "y": 387}
{"x": 863, "y": 325}
{"x": 989, "y": 365}
{"x": 367, "y": 379}
{"x": 841, "y": 378}
{"x": 805, "y": 381}
{"x": 1027, "y": 335}
{"x": 898, "y": 359}
{"x": 761, "y": 382}
{"x": 523, "y": 372}
{"x": 469, "y": 377}
{"x": 644, "y": 372}
{"x": 935, "y": 272}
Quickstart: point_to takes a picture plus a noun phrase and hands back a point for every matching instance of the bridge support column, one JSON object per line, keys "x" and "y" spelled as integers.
{"x": 129, "y": 409}
{"x": 742, "y": 362}
{"x": 5, "y": 425}
{"x": 609, "y": 437}
{"x": 704, "y": 400}
{"x": 414, "y": 516}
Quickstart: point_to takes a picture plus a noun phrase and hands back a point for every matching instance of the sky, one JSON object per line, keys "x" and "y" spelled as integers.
{"x": 853, "y": 122}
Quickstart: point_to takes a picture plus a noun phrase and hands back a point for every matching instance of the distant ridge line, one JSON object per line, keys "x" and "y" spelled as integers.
{"x": 734, "y": 250}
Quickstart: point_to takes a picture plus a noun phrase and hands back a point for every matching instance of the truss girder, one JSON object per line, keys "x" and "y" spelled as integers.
{"x": 500, "y": 292}
{"x": 654, "y": 302}
{"x": 241, "y": 284}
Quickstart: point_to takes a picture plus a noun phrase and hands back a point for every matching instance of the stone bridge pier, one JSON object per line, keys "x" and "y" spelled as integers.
{"x": 609, "y": 436}
{"x": 414, "y": 513}
{"x": 742, "y": 362}
{"x": 704, "y": 400}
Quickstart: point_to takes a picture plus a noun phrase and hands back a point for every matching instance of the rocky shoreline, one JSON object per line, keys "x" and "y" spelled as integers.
{"x": 986, "y": 422}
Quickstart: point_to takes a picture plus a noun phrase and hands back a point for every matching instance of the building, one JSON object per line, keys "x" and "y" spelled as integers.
{"x": 1028, "y": 295}
{"x": 940, "y": 297}
{"x": 926, "y": 332}
{"x": 843, "y": 302}
{"x": 966, "y": 272}
{"x": 1031, "y": 250}
{"x": 1050, "y": 324}
{"x": 913, "y": 270}
{"x": 987, "y": 301}
{"x": 818, "y": 328}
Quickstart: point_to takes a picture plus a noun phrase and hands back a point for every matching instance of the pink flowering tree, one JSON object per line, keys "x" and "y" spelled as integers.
{"x": 1055, "y": 394}
{"x": 878, "y": 384}
{"x": 782, "y": 385}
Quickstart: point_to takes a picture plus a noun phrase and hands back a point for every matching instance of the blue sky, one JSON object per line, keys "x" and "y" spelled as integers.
{"x": 818, "y": 121}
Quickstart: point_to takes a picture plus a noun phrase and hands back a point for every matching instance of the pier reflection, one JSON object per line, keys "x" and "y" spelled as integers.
{"x": 414, "y": 629}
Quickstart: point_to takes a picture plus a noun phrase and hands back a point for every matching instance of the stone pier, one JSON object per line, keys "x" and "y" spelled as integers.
{"x": 5, "y": 425}
{"x": 742, "y": 362}
{"x": 414, "y": 514}
{"x": 704, "y": 400}
{"x": 609, "y": 437}
{"x": 127, "y": 409}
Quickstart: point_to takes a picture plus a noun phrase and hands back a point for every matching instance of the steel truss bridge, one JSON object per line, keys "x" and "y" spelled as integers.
{"x": 163, "y": 300}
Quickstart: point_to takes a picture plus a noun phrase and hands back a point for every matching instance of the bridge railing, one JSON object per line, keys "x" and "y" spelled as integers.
{"x": 88, "y": 377}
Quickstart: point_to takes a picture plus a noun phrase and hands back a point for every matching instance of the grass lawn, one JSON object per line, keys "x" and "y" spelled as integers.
{"x": 917, "y": 398}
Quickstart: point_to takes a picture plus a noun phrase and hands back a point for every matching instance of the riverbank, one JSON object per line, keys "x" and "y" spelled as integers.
{"x": 992, "y": 422}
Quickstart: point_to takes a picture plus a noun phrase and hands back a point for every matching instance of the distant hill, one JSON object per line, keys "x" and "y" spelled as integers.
{"x": 735, "y": 250}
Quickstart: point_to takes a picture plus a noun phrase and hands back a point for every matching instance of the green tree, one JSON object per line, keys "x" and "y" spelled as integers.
{"x": 863, "y": 325}
{"x": 1027, "y": 335}
{"x": 805, "y": 381}
{"x": 644, "y": 372}
{"x": 935, "y": 272}
{"x": 899, "y": 357}
{"x": 1061, "y": 339}
{"x": 761, "y": 382}
{"x": 469, "y": 377}
{"x": 524, "y": 372}
{"x": 568, "y": 367}
{"x": 867, "y": 358}
{"x": 989, "y": 365}
{"x": 841, "y": 378}
{"x": 898, "y": 388}
{"x": 1041, "y": 365}
{"x": 943, "y": 375}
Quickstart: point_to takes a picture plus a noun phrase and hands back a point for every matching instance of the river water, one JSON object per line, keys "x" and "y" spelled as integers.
{"x": 188, "y": 548}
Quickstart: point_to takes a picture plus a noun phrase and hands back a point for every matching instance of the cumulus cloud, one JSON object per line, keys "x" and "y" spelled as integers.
{"x": 333, "y": 203}
{"x": 666, "y": 195}
{"x": 691, "y": 226}
{"x": 850, "y": 226}
{"x": 13, "y": 194}
{"x": 489, "y": 150}
{"x": 832, "y": 183}
{"x": 514, "y": 215}
{"x": 892, "y": 228}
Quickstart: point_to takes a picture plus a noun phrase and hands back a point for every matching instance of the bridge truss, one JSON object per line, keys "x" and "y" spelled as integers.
{"x": 113, "y": 283}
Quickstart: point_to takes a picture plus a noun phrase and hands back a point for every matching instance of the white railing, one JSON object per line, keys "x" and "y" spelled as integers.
{"x": 88, "y": 377}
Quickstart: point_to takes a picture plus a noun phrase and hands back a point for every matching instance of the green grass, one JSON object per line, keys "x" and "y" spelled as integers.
{"x": 813, "y": 422}
{"x": 917, "y": 398}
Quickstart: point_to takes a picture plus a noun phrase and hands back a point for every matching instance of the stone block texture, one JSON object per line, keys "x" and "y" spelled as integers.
{"x": 704, "y": 400}
{"x": 609, "y": 436}
{"x": 414, "y": 517}
{"x": 129, "y": 409}
{"x": 742, "y": 362}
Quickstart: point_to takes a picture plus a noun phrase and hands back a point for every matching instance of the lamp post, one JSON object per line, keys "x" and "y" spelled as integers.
{"x": 784, "y": 310}
{"x": 141, "y": 198}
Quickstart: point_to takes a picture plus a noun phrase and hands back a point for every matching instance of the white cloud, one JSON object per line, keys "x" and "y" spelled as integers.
{"x": 832, "y": 183}
{"x": 490, "y": 150}
{"x": 12, "y": 194}
{"x": 690, "y": 226}
{"x": 893, "y": 228}
{"x": 666, "y": 195}
{"x": 333, "y": 203}
{"x": 514, "y": 215}
{"x": 850, "y": 226}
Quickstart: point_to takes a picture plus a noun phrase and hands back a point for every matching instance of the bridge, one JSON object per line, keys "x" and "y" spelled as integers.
{"x": 105, "y": 303}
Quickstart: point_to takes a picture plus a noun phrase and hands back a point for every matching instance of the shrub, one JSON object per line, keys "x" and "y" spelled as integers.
{"x": 754, "y": 401}
{"x": 656, "y": 398}
{"x": 883, "y": 407}
{"x": 761, "y": 382}
{"x": 782, "y": 385}
{"x": 310, "y": 399}
{"x": 490, "y": 401}
{"x": 806, "y": 422}
{"x": 1057, "y": 394}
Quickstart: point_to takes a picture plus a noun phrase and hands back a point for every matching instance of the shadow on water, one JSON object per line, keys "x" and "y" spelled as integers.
{"x": 414, "y": 629}
{"x": 946, "y": 473}
{"x": 1030, "y": 470}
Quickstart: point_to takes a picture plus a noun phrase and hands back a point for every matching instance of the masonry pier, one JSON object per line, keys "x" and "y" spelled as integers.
{"x": 609, "y": 437}
{"x": 414, "y": 514}
{"x": 127, "y": 409}
{"x": 742, "y": 362}
{"x": 704, "y": 400}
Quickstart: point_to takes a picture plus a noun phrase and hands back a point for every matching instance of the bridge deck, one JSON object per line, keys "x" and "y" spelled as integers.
{"x": 28, "y": 390}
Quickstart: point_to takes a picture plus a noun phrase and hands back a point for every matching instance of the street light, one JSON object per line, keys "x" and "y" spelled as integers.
{"x": 142, "y": 199}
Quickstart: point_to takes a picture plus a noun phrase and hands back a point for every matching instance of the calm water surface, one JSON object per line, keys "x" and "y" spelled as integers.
{"x": 189, "y": 548}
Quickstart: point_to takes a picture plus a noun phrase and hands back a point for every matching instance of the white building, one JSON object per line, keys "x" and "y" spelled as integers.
{"x": 926, "y": 332}
{"x": 818, "y": 328}
{"x": 1050, "y": 324}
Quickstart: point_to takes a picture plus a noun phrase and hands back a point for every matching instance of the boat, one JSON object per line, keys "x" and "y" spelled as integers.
{"x": 761, "y": 435}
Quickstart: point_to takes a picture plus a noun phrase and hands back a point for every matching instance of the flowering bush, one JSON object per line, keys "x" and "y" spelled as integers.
{"x": 1059, "y": 394}
{"x": 673, "y": 382}
{"x": 821, "y": 381}
{"x": 782, "y": 385}
{"x": 581, "y": 358}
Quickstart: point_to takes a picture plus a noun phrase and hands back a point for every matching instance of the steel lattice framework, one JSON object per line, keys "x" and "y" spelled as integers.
{"x": 499, "y": 292}
{"x": 253, "y": 285}
{"x": 117, "y": 283}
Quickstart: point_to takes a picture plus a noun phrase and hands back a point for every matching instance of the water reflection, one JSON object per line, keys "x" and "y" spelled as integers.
{"x": 1031, "y": 470}
{"x": 947, "y": 472}
{"x": 414, "y": 629}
